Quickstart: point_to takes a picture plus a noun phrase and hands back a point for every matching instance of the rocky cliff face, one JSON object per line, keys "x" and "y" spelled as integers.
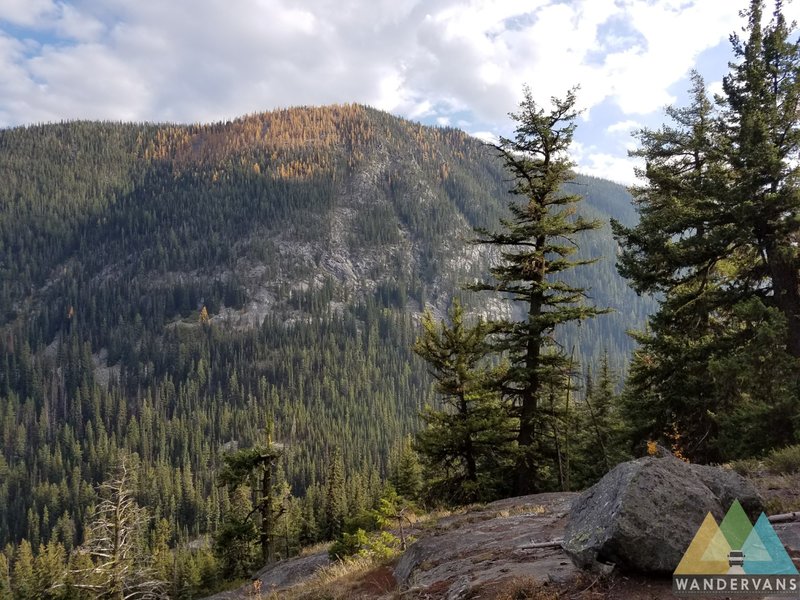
{"x": 338, "y": 205}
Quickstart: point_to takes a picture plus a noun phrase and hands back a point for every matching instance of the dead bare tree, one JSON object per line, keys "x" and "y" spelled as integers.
{"x": 120, "y": 568}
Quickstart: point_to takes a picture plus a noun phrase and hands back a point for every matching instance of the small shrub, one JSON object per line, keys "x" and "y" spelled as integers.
{"x": 349, "y": 544}
{"x": 785, "y": 461}
{"x": 746, "y": 467}
{"x": 363, "y": 520}
{"x": 381, "y": 546}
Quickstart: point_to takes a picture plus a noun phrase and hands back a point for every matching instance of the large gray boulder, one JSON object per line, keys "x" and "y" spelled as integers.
{"x": 644, "y": 513}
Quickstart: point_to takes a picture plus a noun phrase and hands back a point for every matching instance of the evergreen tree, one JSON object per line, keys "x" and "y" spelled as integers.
{"x": 309, "y": 529}
{"x": 256, "y": 465}
{"x": 535, "y": 247}
{"x": 762, "y": 94}
{"x": 5, "y": 577}
{"x": 675, "y": 252}
{"x": 468, "y": 444}
{"x": 48, "y": 571}
{"x": 601, "y": 436}
{"x": 716, "y": 240}
{"x": 23, "y": 579}
{"x": 236, "y": 539}
{"x": 405, "y": 470}
{"x": 335, "y": 496}
{"x": 761, "y": 98}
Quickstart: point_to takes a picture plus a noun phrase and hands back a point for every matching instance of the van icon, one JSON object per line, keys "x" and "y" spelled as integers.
{"x": 736, "y": 558}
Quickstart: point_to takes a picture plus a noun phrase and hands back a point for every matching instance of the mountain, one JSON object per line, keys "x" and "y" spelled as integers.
{"x": 167, "y": 290}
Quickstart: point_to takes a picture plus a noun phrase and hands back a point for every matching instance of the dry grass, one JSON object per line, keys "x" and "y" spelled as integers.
{"x": 781, "y": 493}
{"x": 785, "y": 461}
{"x": 747, "y": 467}
{"x": 315, "y": 549}
{"x": 535, "y": 509}
{"x": 522, "y": 588}
{"x": 338, "y": 581}
{"x": 776, "y": 477}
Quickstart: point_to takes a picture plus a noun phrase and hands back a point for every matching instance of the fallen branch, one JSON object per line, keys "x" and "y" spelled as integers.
{"x": 785, "y": 517}
{"x": 549, "y": 544}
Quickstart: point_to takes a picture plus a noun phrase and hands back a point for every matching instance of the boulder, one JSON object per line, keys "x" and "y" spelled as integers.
{"x": 644, "y": 513}
{"x": 728, "y": 486}
{"x": 789, "y": 535}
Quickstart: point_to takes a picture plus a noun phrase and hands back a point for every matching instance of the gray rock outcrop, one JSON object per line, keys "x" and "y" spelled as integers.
{"x": 465, "y": 553}
{"x": 644, "y": 513}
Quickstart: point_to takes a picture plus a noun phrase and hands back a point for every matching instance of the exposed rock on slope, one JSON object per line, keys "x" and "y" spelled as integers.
{"x": 462, "y": 555}
{"x": 487, "y": 548}
{"x": 279, "y": 577}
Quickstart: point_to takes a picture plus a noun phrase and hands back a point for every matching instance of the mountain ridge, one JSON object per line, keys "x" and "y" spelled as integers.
{"x": 312, "y": 238}
{"x": 176, "y": 148}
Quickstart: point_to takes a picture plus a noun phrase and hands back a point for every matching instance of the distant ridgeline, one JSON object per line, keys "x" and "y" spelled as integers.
{"x": 313, "y": 237}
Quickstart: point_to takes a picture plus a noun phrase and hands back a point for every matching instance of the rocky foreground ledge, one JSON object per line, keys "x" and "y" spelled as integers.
{"x": 457, "y": 556}
{"x": 514, "y": 548}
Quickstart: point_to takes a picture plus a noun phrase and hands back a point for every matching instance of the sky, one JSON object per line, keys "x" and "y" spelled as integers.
{"x": 460, "y": 63}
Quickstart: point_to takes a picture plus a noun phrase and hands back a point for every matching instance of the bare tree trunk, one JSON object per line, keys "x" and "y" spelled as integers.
{"x": 567, "y": 425}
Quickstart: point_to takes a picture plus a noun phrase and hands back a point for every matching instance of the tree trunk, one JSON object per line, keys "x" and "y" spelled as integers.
{"x": 526, "y": 464}
{"x": 469, "y": 451}
{"x": 266, "y": 514}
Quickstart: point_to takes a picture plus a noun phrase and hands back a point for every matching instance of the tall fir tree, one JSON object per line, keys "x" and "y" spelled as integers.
{"x": 760, "y": 110}
{"x": 335, "y": 496}
{"x": 675, "y": 251}
{"x": 236, "y": 538}
{"x": 762, "y": 97}
{"x": 536, "y": 246}
{"x": 600, "y": 443}
{"x": 49, "y": 570}
{"x": 717, "y": 238}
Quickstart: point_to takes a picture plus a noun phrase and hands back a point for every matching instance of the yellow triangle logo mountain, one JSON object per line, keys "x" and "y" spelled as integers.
{"x": 708, "y": 552}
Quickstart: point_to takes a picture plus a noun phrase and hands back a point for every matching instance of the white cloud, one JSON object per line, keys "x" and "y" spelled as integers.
{"x": 486, "y": 136}
{"x": 593, "y": 161}
{"x": 623, "y": 126}
{"x": 27, "y": 12}
{"x": 75, "y": 25}
{"x": 715, "y": 88}
{"x": 676, "y": 33}
{"x": 448, "y": 61}
{"x": 204, "y": 58}
{"x": 110, "y": 88}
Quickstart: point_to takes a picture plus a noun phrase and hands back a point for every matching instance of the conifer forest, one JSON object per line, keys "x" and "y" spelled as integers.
{"x": 222, "y": 343}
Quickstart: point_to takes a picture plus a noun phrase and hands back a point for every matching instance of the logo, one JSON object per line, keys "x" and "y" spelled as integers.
{"x": 736, "y": 557}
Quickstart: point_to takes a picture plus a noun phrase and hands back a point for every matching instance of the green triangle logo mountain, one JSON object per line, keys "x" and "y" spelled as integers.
{"x": 736, "y": 526}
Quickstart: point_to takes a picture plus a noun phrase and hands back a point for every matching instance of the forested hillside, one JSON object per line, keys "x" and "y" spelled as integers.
{"x": 168, "y": 291}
